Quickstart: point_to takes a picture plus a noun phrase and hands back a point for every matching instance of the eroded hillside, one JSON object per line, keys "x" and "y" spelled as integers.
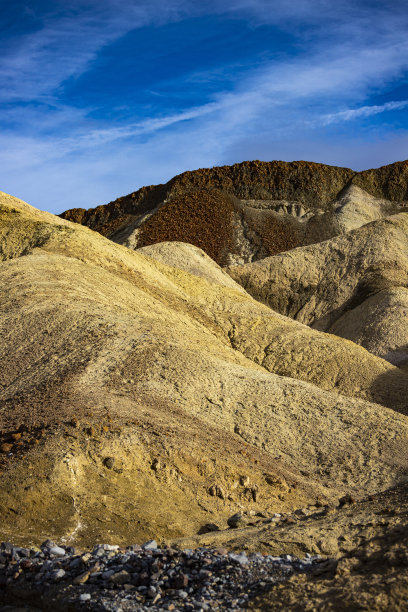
{"x": 142, "y": 399}
{"x": 353, "y": 285}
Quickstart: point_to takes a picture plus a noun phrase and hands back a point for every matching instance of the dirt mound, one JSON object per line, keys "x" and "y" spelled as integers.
{"x": 191, "y": 259}
{"x": 150, "y": 400}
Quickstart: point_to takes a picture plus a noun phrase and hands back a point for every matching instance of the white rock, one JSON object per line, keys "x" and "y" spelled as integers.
{"x": 57, "y": 551}
{"x": 84, "y": 597}
{"x": 59, "y": 574}
{"x": 150, "y": 545}
{"x": 242, "y": 559}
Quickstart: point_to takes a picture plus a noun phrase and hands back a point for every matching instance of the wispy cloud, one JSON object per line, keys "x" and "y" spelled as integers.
{"x": 36, "y": 64}
{"x": 148, "y": 126}
{"x": 72, "y": 33}
{"x": 277, "y": 89}
{"x": 363, "y": 111}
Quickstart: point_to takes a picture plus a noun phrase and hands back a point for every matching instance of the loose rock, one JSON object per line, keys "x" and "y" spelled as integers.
{"x": 236, "y": 520}
{"x": 142, "y": 578}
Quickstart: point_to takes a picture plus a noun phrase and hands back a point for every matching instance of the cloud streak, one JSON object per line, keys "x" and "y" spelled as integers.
{"x": 274, "y": 89}
{"x": 363, "y": 111}
{"x": 69, "y": 40}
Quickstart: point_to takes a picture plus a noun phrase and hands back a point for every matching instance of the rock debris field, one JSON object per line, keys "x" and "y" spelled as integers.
{"x": 146, "y": 577}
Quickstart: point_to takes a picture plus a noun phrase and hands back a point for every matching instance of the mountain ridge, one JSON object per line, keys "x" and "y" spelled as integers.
{"x": 251, "y": 210}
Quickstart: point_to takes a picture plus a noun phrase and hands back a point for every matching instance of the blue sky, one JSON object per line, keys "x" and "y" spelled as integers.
{"x": 98, "y": 98}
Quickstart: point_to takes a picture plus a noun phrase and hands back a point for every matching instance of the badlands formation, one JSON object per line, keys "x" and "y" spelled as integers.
{"x": 231, "y": 343}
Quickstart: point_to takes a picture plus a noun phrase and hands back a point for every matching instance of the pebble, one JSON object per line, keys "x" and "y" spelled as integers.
{"x": 236, "y": 520}
{"x": 58, "y": 551}
{"x": 121, "y": 577}
{"x": 84, "y": 597}
{"x": 242, "y": 559}
{"x": 145, "y": 577}
{"x": 82, "y": 578}
{"x": 58, "y": 574}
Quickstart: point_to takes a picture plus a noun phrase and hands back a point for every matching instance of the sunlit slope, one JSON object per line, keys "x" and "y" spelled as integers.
{"x": 95, "y": 332}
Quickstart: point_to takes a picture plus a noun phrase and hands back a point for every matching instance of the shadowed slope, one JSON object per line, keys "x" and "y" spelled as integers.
{"x": 372, "y": 571}
{"x": 380, "y": 324}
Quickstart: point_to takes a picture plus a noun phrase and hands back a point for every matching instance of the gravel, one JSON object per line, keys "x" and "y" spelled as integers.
{"x": 138, "y": 578}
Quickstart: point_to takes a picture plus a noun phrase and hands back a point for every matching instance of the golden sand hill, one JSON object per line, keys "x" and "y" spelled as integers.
{"x": 140, "y": 399}
{"x": 353, "y": 285}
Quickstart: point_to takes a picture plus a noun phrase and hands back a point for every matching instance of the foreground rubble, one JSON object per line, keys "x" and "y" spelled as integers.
{"x": 114, "y": 579}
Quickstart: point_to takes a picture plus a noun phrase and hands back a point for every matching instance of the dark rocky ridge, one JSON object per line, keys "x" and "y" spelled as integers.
{"x": 308, "y": 182}
{"x": 390, "y": 182}
{"x": 244, "y": 212}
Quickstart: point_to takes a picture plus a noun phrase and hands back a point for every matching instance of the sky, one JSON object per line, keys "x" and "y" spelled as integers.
{"x": 101, "y": 97}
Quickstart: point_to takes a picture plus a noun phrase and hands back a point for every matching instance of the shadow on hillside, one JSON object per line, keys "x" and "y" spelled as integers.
{"x": 391, "y": 388}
